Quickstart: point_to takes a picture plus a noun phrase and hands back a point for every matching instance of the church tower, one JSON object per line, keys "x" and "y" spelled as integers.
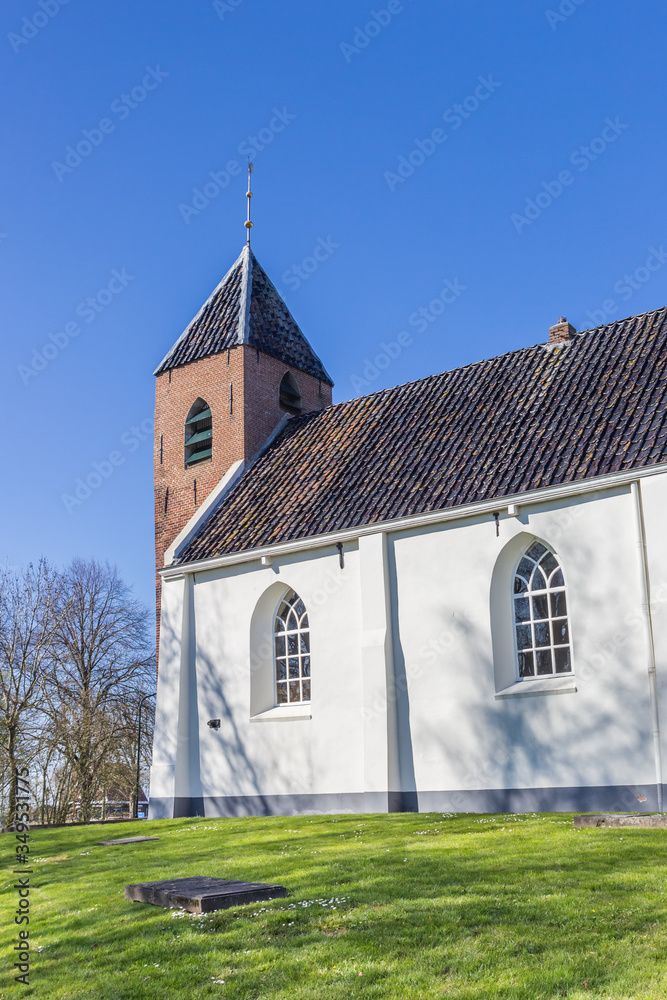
{"x": 240, "y": 368}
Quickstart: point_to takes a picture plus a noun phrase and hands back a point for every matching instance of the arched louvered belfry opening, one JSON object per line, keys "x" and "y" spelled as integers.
{"x": 198, "y": 433}
{"x": 290, "y": 397}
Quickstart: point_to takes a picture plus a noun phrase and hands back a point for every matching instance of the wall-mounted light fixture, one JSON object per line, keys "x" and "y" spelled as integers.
{"x": 213, "y": 723}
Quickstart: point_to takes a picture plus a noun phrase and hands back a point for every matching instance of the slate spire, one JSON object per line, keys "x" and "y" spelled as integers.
{"x": 245, "y": 308}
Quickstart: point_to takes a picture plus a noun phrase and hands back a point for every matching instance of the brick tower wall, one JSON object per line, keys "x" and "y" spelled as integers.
{"x": 241, "y": 386}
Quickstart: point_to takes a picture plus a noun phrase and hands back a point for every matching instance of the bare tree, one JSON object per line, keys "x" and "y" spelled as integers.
{"x": 101, "y": 656}
{"x": 28, "y": 616}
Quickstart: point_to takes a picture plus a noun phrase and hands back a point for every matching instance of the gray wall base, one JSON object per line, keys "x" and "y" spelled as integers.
{"x": 611, "y": 798}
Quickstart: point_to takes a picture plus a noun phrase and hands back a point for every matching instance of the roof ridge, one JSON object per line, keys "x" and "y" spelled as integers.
{"x": 486, "y": 361}
{"x": 243, "y": 329}
{"x": 198, "y": 316}
{"x": 245, "y": 308}
{"x": 605, "y": 326}
{"x": 500, "y": 428}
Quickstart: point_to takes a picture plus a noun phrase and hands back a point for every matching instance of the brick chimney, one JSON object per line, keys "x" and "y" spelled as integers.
{"x": 561, "y": 332}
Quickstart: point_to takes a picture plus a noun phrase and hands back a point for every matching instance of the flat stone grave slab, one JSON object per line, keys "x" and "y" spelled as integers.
{"x": 201, "y": 894}
{"x": 646, "y": 820}
{"x": 125, "y": 840}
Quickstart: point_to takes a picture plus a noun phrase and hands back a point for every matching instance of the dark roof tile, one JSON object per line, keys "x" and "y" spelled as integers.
{"x": 529, "y": 419}
{"x": 245, "y": 308}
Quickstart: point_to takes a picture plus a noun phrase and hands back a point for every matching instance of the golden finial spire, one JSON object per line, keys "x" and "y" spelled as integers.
{"x": 248, "y": 223}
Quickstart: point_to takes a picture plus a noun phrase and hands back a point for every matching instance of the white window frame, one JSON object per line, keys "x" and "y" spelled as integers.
{"x": 554, "y": 676}
{"x": 291, "y": 596}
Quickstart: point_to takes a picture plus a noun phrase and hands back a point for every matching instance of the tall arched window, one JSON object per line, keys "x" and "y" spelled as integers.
{"x": 290, "y": 397}
{"x": 291, "y": 642}
{"x": 540, "y": 615}
{"x": 198, "y": 433}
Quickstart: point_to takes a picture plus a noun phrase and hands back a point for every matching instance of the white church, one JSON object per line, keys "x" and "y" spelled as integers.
{"x": 449, "y": 595}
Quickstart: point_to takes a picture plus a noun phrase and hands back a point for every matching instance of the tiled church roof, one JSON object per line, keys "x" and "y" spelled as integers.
{"x": 529, "y": 419}
{"x": 245, "y": 308}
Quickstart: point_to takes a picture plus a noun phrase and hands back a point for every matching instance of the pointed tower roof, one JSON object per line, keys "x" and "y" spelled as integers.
{"x": 245, "y": 308}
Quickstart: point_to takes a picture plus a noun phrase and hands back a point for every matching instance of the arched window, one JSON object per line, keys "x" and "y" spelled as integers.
{"x": 290, "y": 397}
{"x": 291, "y": 643}
{"x": 198, "y": 433}
{"x": 540, "y": 615}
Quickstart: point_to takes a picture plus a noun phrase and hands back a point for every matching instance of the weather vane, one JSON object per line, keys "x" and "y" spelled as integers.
{"x": 248, "y": 223}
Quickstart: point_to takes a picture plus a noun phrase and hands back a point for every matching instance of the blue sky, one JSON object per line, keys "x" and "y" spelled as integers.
{"x": 467, "y": 230}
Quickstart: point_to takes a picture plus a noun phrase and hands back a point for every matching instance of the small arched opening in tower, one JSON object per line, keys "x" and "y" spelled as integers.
{"x": 290, "y": 397}
{"x": 198, "y": 433}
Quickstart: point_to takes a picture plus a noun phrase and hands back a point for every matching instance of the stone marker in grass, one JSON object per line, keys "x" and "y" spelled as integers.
{"x": 201, "y": 894}
{"x": 125, "y": 840}
{"x": 623, "y": 819}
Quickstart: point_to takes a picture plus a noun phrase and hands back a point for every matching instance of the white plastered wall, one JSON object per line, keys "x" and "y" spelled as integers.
{"x": 254, "y": 754}
{"x": 462, "y": 735}
{"x": 438, "y": 724}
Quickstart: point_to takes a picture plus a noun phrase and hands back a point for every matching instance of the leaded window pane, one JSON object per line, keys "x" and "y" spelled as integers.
{"x": 291, "y": 643}
{"x": 294, "y": 691}
{"x": 544, "y": 665}
{"x": 563, "y": 660}
{"x": 540, "y": 615}
{"x": 525, "y": 569}
{"x": 526, "y": 665}
{"x": 549, "y": 564}
{"x": 542, "y": 634}
{"x": 540, "y": 607}
{"x": 561, "y": 632}
{"x": 524, "y": 636}
{"x": 558, "y": 604}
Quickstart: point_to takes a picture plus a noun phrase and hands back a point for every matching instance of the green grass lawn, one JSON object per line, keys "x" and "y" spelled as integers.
{"x": 399, "y": 906}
